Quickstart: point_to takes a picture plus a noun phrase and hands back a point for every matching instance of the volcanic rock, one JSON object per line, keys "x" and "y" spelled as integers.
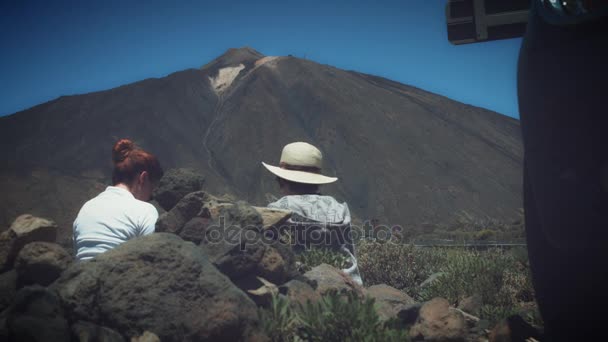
{"x": 8, "y": 288}
{"x": 41, "y": 263}
{"x": 237, "y": 246}
{"x": 158, "y": 283}
{"x": 187, "y": 208}
{"x": 471, "y": 304}
{"x": 331, "y": 279}
{"x": 146, "y": 337}
{"x": 436, "y": 322}
{"x": 26, "y": 228}
{"x": 195, "y": 229}
{"x": 389, "y": 300}
{"x": 513, "y": 328}
{"x": 89, "y": 332}
{"x": 273, "y": 217}
{"x": 36, "y": 315}
{"x": 175, "y": 184}
{"x": 298, "y": 291}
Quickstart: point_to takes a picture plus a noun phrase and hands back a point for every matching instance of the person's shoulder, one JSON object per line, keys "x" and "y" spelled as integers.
{"x": 280, "y": 203}
{"x": 145, "y": 207}
{"x": 329, "y": 199}
{"x": 93, "y": 202}
{"x": 90, "y": 209}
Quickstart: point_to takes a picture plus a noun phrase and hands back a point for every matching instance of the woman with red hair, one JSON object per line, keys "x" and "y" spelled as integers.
{"x": 121, "y": 212}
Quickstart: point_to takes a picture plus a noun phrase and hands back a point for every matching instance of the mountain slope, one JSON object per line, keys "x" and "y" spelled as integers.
{"x": 403, "y": 155}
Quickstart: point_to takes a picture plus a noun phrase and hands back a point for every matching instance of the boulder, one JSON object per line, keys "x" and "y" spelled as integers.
{"x": 187, "y": 208}
{"x": 278, "y": 263}
{"x": 88, "y": 332}
{"x": 436, "y": 322}
{"x": 36, "y": 315}
{"x": 7, "y": 254}
{"x": 273, "y": 217}
{"x": 238, "y": 248}
{"x": 34, "y": 228}
{"x": 298, "y": 291}
{"x": 8, "y": 288}
{"x": 175, "y": 184}
{"x": 513, "y": 328}
{"x": 146, "y": 337}
{"x": 243, "y": 215}
{"x": 41, "y": 263}
{"x": 25, "y": 229}
{"x": 409, "y": 314}
{"x": 195, "y": 229}
{"x": 158, "y": 283}
{"x": 471, "y": 304}
{"x": 389, "y": 300}
{"x": 159, "y": 209}
{"x": 501, "y": 333}
{"x": 331, "y": 279}
{"x": 194, "y": 205}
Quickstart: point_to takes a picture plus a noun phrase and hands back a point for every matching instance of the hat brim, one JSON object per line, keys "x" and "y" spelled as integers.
{"x": 299, "y": 176}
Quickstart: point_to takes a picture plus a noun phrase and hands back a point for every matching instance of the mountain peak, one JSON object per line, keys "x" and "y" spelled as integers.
{"x": 234, "y": 56}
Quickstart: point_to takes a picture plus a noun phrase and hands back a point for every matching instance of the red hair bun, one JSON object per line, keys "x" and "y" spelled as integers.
{"x": 121, "y": 150}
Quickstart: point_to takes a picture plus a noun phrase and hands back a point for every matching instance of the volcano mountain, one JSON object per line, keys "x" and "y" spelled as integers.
{"x": 402, "y": 155}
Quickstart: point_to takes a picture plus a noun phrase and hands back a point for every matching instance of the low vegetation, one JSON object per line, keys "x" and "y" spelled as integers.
{"x": 467, "y": 228}
{"x": 333, "y": 318}
{"x": 500, "y": 278}
{"x": 491, "y": 283}
{"x": 318, "y": 256}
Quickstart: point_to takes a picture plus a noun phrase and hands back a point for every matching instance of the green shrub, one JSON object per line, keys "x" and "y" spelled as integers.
{"x": 401, "y": 266}
{"x": 334, "y": 318}
{"x": 484, "y": 234}
{"x": 466, "y": 273}
{"x": 502, "y": 278}
{"x": 279, "y": 321}
{"x": 498, "y": 277}
{"x": 495, "y": 313}
{"x": 317, "y": 256}
{"x": 466, "y": 227}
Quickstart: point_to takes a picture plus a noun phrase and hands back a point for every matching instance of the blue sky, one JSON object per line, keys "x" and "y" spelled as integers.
{"x": 54, "y": 48}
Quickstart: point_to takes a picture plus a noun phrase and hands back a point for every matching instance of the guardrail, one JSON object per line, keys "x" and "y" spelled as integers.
{"x": 476, "y": 245}
{"x": 464, "y": 244}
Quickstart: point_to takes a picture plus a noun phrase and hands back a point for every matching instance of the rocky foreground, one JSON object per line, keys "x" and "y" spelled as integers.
{"x": 190, "y": 281}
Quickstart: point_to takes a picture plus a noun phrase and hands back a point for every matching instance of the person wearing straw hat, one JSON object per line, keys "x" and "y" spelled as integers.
{"x": 299, "y": 177}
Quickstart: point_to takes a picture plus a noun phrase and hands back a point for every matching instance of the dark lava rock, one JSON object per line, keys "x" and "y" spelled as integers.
{"x": 331, "y": 279}
{"x": 36, "y": 315}
{"x": 25, "y": 229}
{"x": 186, "y": 209}
{"x": 41, "y": 263}
{"x": 299, "y": 291}
{"x": 161, "y": 284}
{"x": 436, "y": 322}
{"x": 389, "y": 300}
{"x": 8, "y": 288}
{"x": 175, "y": 184}
{"x": 235, "y": 243}
{"x": 88, "y": 332}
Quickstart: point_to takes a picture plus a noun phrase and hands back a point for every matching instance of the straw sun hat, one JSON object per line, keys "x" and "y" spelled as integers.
{"x": 301, "y": 163}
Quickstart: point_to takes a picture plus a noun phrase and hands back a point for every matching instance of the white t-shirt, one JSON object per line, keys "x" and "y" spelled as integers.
{"x": 109, "y": 219}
